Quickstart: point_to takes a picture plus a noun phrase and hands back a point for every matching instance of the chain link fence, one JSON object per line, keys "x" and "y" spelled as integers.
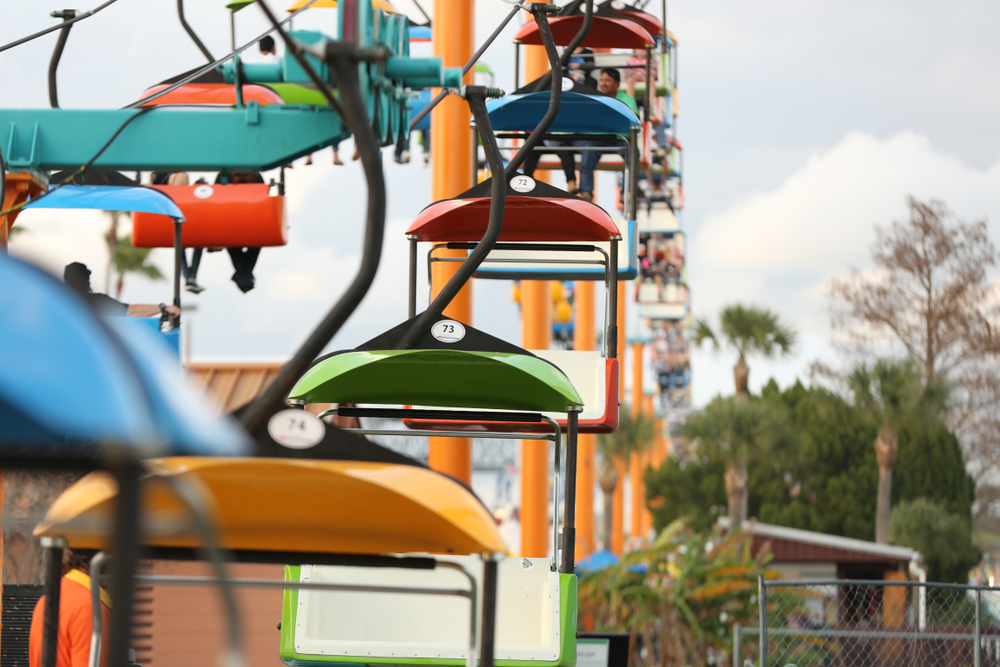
{"x": 871, "y": 624}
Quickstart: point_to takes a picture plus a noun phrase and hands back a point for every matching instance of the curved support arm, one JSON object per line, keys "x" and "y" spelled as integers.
{"x": 476, "y": 96}
{"x": 588, "y": 18}
{"x": 352, "y": 108}
{"x": 535, "y": 138}
{"x": 190, "y": 31}
{"x": 66, "y": 15}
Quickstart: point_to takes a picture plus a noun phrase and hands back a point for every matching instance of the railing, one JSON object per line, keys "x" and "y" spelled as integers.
{"x": 851, "y": 623}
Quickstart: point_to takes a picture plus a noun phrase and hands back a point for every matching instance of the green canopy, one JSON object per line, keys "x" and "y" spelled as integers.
{"x": 237, "y": 5}
{"x": 441, "y": 378}
{"x": 294, "y": 93}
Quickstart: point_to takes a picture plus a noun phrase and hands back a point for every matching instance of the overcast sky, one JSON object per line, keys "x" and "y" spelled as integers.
{"x": 803, "y": 125}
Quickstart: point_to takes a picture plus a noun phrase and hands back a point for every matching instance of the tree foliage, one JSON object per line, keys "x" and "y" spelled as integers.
{"x": 681, "y": 595}
{"x": 932, "y": 296}
{"x": 944, "y": 539}
{"x": 823, "y": 476}
{"x": 734, "y": 433}
{"x": 129, "y": 259}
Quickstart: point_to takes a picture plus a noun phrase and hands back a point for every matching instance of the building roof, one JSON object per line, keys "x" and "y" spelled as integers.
{"x": 231, "y": 385}
{"x": 793, "y": 544}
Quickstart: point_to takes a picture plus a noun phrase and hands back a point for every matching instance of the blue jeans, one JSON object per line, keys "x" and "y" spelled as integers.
{"x": 588, "y": 163}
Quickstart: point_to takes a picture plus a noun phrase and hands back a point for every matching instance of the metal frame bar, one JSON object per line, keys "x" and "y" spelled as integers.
{"x": 174, "y": 580}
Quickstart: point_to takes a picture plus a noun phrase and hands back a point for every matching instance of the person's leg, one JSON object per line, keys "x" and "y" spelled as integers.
{"x": 588, "y": 163}
{"x": 568, "y": 160}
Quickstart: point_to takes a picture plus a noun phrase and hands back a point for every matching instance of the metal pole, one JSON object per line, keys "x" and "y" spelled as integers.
{"x": 412, "y": 310}
{"x": 517, "y": 65}
{"x": 978, "y": 654}
{"x": 53, "y": 584}
{"x": 178, "y": 262}
{"x": 569, "y": 524}
{"x": 125, "y": 546}
{"x": 488, "y": 632}
{"x": 97, "y": 626}
{"x": 612, "y": 343}
{"x": 762, "y": 601}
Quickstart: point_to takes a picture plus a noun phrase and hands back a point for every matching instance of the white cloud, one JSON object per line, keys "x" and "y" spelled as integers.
{"x": 779, "y": 248}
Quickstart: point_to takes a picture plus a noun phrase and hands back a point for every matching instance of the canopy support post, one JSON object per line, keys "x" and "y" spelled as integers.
{"x": 488, "y": 631}
{"x": 125, "y": 547}
{"x": 178, "y": 264}
{"x": 412, "y": 310}
{"x": 54, "y": 547}
{"x": 612, "y": 342}
{"x": 569, "y": 524}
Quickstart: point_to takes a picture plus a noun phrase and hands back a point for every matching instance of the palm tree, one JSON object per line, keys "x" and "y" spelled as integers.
{"x": 749, "y": 330}
{"x": 111, "y": 240}
{"x": 127, "y": 259}
{"x": 635, "y": 433}
{"x": 735, "y": 432}
{"x": 890, "y": 391}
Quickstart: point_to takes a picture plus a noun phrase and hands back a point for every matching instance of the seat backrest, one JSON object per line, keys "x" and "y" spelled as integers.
{"x": 536, "y": 616}
{"x": 529, "y": 266}
{"x": 586, "y": 370}
{"x": 239, "y": 215}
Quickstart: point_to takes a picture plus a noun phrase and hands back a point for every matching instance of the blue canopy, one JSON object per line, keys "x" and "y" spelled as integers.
{"x": 69, "y": 384}
{"x": 420, "y": 33}
{"x": 109, "y": 198}
{"x": 417, "y": 104}
{"x": 578, "y": 113}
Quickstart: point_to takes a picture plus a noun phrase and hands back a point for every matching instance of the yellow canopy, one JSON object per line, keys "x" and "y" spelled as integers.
{"x": 376, "y": 4}
{"x": 264, "y": 504}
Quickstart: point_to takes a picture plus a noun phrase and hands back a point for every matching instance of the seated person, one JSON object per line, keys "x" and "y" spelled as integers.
{"x": 77, "y": 276}
{"x": 609, "y": 84}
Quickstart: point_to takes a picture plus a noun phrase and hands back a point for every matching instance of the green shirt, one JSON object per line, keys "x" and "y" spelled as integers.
{"x": 629, "y": 101}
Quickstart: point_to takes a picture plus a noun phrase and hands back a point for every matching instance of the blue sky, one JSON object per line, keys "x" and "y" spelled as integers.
{"x": 803, "y": 123}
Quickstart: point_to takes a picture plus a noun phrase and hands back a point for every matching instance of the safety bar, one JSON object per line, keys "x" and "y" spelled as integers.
{"x": 407, "y": 413}
{"x": 172, "y": 580}
{"x": 556, "y": 438}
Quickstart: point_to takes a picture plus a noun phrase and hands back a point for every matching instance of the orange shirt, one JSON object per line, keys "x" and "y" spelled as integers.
{"x": 75, "y": 624}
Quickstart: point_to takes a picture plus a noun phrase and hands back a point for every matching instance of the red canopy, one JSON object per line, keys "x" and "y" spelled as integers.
{"x": 645, "y": 19}
{"x": 526, "y": 219}
{"x": 604, "y": 33}
{"x": 211, "y": 93}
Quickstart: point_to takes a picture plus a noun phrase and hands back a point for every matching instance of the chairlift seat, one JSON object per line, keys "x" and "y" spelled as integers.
{"x": 605, "y": 33}
{"x": 141, "y": 200}
{"x": 445, "y": 378}
{"x": 269, "y": 504}
{"x": 240, "y": 215}
{"x": 580, "y": 112}
{"x": 541, "y": 213}
{"x": 595, "y": 377}
{"x": 616, "y": 9}
{"x": 536, "y": 616}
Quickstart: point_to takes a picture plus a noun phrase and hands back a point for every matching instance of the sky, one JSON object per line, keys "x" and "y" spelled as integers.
{"x": 804, "y": 124}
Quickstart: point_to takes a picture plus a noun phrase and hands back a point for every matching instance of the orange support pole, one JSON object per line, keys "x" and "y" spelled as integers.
{"x": 653, "y": 458}
{"x": 536, "y": 334}
{"x": 618, "y": 504}
{"x": 637, "y": 463}
{"x": 451, "y": 174}
{"x": 584, "y": 339}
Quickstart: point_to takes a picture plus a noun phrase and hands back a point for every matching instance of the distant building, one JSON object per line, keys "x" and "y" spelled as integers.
{"x": 804, "y": 554}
